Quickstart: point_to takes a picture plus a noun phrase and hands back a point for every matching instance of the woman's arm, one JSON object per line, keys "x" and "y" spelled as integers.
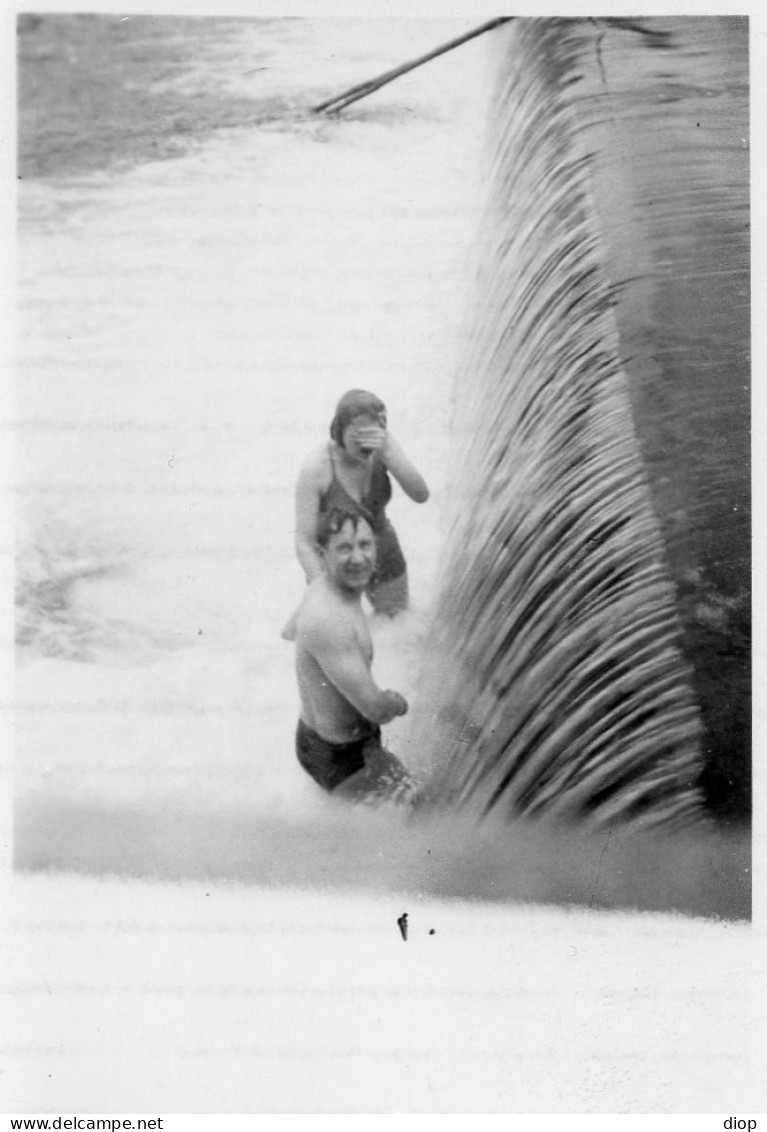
{"x": 308, "y": 489}
{"x": 404, "y": 471}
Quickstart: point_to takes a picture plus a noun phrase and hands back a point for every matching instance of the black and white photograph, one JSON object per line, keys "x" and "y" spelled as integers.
{"x": 378, "y": 687}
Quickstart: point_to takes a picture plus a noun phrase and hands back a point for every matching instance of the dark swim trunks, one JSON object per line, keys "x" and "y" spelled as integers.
{"x": 333, "y": 764}
{"x": 330, "y": 764}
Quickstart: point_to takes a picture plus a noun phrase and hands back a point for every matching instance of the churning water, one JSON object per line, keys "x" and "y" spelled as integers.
{"x": 186, "y": 328}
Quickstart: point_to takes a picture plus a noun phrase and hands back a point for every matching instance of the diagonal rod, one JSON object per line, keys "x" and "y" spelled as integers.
{"x": 363, "y": 89}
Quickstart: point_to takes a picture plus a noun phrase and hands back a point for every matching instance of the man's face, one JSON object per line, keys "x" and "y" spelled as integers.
{"x": 350, "y": 556}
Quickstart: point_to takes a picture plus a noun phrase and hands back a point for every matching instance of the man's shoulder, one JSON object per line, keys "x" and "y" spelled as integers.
{"x": 322, "y": 618}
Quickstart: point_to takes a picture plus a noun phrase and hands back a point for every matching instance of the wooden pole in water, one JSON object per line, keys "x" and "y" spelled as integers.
{"x": 333, "y": 105}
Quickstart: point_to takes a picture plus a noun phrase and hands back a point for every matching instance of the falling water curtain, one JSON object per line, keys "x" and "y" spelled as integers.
{"x": 558, "y": 678}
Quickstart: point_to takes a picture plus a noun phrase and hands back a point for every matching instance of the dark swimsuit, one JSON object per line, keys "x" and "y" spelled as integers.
{"x": 391, "y": 561}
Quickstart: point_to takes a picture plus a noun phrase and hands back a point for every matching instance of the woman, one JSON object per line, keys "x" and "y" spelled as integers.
{"x": 352, "y": 471}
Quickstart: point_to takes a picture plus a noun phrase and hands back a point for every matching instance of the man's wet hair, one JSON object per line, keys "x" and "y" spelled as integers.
{"x": 333, "y": 521}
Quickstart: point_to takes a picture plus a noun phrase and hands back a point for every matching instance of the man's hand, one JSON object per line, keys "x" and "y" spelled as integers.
{"x": 395, "y": 705}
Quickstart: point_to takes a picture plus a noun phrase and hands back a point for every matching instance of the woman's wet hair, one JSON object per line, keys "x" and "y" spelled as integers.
{"x": 354, "y": 404}
{"x": 331, "y": 522}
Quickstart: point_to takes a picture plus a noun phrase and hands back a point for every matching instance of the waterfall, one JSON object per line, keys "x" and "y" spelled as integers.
{"x": 556, "y": 682}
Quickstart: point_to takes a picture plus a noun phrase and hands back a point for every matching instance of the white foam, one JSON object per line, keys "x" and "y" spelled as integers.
{"x": 187, "y": 327}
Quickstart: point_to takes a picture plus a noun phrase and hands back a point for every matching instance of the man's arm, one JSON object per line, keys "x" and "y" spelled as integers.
{"x": 336, "y": 649}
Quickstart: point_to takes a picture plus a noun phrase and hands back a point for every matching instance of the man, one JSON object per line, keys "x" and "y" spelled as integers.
{"x": 338, "y": 741}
